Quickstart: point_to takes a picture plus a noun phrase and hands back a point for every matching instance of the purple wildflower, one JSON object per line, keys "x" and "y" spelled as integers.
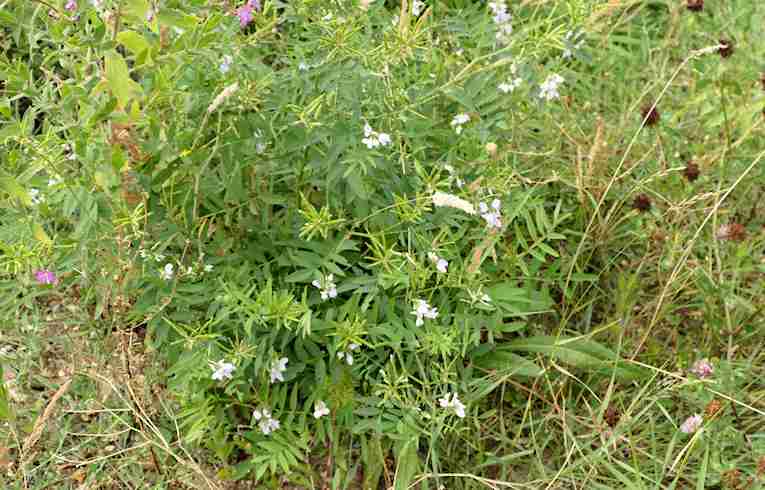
{"x": 44, "y": 276}
{"x": 71, "y": 5}
{"x": 702, "y": 368}
{"x": 245, "y": 12}
{"x": 691, "y": 424}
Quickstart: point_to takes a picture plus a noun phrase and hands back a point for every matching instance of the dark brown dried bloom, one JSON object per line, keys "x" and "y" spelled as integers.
{"x": 732, "y": 478}
{"x": 726, "y": 48}
{"x": 732, "y": 231}
{"x": 762, "y": 80}
{"x": 691, "y": 171}
{"x": 642, "y": 203}
{"x": 695, "y": 5}
{"x": 650, "y": 115}
{"x": 611, "y": 416}
{"x": 712, "y": 408}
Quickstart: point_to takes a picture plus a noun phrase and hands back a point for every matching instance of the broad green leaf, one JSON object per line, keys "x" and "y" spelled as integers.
{"x": 10, "y": 185}
{"x": 118, "y": 79}
{"x": 135, "y": 42}
{"x": 40, "y": 235}
{"x": 508, "y": 363}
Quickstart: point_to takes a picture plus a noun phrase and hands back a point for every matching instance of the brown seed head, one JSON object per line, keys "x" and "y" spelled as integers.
{"x": 713, "y": 408}
{"x": 611, "y": 416}
{"x": 650, "y": 115}
{"x": 761, "y": 466}
{"x": 642, "y": 203}
{"x": 732, "y": 231}
{"x": 695, "y": 5}
{"x": 732, "y": 478}
{"x": 726, "y": 48}
{"x": 691, "y": 171}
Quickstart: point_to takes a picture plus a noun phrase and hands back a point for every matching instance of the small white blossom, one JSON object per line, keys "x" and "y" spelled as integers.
{"x": 442, "y": 199}
{"x": 458, "y": 121}
{"x": 208, "y": 267}
{"x": 418, "y": 6}
{"x": 451, "y": 401}
{"x": 159, "y": 258}
{"x": 167, "y": 272}
{"x": 327, "y": 286}
{"x": 320, "y": 409}
{"x": 222, "y": 370}
{"x": 35, "y": 196}
{"x": 424, "y": 310}
{"x": 691, "y": 424}
{"x": 510, "y": 85}
{"x": 493, "y": 218}
{"x": 373, "y": 139}
{"x": 441, "y": 263}
{"x": 277, "y": 369}
{"x": 225, "y": 65}
{"x": 548, "y": 90}
{"x": 53, "y": 182}
{"x": 303, "y": 66}
{"x": 502, "y": 19}
{"x": 348, "y": 356}
{"x": 266, "y": 422}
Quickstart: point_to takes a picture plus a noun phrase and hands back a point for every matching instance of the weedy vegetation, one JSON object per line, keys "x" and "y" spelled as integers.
{"x": 375, "y": 244}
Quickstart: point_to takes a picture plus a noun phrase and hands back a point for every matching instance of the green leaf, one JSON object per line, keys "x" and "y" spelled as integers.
{"x": 118, "y": 79}
{"x": 10, "y": 185}
{"x": 133, "y": 41}
{"x": 508, "y": 363}
{"x": 5, "y": 402}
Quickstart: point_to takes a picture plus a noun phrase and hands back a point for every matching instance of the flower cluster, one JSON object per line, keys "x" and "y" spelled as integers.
{"x": 277, "y": 369}
{"x": 71, "y": 5}
{"x": 442, "y": 199}
{"x": 702, "y": 368}
{"x": 510, "y": 85}
{"x": 691, "y": 424}
{"x": 548, "y": 90}
{"x": 424, "y": 310}
{"x": 373, "y": 139}
{"x": 320, "y": 409}
{"x": 44, "y": 276}
{"x": 441, "y": 263}
{"x": 327, "y": 286}
{"x": 502, "y": 19}
{"x": 348, "y": 355}
{"x": 492, "y": 217}
{"x": 450, "y": 401}
{"x": 222, "y": 370}
{"x": 34, "y": 195}
{"x": 245, "y": 12}
{"x": 458, "y": 121}
{"x": 266, "y": 422}
{"x": 573, "y": 42}
{"x": 147, "y": 254}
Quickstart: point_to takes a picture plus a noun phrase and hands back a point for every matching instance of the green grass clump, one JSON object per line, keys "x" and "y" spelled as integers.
{"x": 376, "y": 245}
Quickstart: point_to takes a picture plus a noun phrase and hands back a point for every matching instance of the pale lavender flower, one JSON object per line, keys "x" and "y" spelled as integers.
{"x": 327, "y": 287}
{"x": 222, "y": 370}
{"x": 167, "y": 272}
{"x": 245, "y": 12}
{"x": 441, "y": 263}
{"x": 424, "y": 310}
{"x": 71, "y": 5}
{"x": 458, "y": 121}
{"x": 320, "y": 409}
{"x": 548, "y": 90}
{"x": 225, "y": 64}
{"x": 502, "y": 19}
{"x": 44, "y": 276}
{"x": 451, "y": 401}
{"x": 277, "y": 369}
{"x": 492, "y": 217}
{"x": 266, "y": 422}
{"x": 348, "y": 356}
{"x": 702, "y": 368}
{"x": 691, "y": 424}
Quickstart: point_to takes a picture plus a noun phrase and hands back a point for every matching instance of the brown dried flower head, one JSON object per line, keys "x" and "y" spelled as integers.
{"x": 642, "y": 203}
{"x": 713, "y": 408}
{"x": 695, "y": 5}
{"x": 650, "y": 115}
{"x": 732, "y": 231}
{"x": 691, "y": 171}
{"x": 611, "y": 416}
{"x": 726, "y": 48}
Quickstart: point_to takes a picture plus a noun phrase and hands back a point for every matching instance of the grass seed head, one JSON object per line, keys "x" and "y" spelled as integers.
{"x": 650, "y": 114}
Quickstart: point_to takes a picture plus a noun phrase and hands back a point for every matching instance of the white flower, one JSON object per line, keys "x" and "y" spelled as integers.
{"x": 502, "y": 19}
{"x": 266, "y": 423}
{"x": 493, "y": 218}
{"x": 166, "y": 273}
{"x": 208, "y": 267}
{"x": 373, "y": 139}
{"x": 303, "y": 66}
{"x": 225, "y": 65}
{"x": 320, "y": 409}
{"x": 442, "y": 199}
{"x": 277, "y": 369}
{"x": 548, "y": 90}
{"x": 327, "y": 17}
{"x": 348, "y": 356}
{"x": 260, "y": 148}
{"x": 53, "y": 181}
{"x": 451, "y": 401}
{"x": 691, "y": 424}
{"x": 222, "y": 369}
{"x": 34, "y": 194}
{"x": 327, "y": 286}
{"x": 511, "y": 85}
{"x": 424, "y": 310}
{"x": 417, "y": 7}
{"x": 441, "y": 264}
{"x": 458, "y": 121}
